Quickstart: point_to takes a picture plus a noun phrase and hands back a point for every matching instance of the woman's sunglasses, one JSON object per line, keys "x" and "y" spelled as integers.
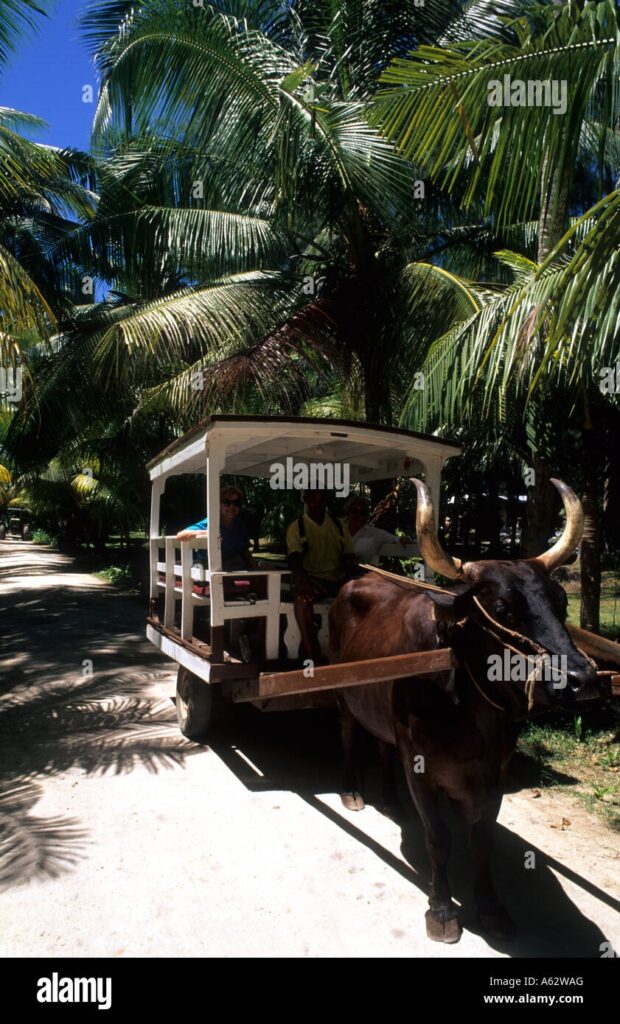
{"x": 236, "y": 502}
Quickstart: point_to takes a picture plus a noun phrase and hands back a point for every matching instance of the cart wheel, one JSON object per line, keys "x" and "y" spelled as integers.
{"x": 194, "y": 705}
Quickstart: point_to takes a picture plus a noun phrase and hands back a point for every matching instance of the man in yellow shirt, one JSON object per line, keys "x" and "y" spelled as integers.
{"x": 321, "y": 558}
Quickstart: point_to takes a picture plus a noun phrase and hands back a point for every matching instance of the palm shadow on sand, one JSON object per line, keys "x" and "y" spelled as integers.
{"x": 66, "y": 705}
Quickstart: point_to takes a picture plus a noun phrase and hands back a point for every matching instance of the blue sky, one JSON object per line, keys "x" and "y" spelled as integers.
{"x": 47, "y": 74}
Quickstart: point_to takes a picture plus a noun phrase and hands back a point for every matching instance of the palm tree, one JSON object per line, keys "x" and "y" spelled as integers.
{"x": 264, "y": 107}
{"x": 557, "y": 327}
{"x": 40, "y": 187}
{"x": 22, "y": 306}
{"x": 264, "y": 243}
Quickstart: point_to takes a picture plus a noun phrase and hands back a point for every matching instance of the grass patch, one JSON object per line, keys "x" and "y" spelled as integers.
{"x": 122, "y": 576}
{"x": 582, "y": 754}
{"x": 610, "y": 602}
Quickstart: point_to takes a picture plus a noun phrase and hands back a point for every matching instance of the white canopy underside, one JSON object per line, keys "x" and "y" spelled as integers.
{"x": 246, "y": 447}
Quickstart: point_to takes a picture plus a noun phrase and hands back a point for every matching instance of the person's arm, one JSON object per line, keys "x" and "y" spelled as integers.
{"x": 191, "y": 532}
{"x": 391, "y": 538}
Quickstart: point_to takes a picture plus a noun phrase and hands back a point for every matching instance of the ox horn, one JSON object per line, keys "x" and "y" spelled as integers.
{"x": 428, "y": 541}
{"x": 571, "y": 535}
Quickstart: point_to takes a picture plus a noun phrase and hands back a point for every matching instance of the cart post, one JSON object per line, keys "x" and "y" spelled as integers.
{"x": 154, "y": 539}
{"x": 215, "y": 466}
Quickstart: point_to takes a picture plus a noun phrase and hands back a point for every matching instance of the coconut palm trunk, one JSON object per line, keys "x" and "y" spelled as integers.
{"x": 591, "y": 543}
{"x": 552, "y": 223}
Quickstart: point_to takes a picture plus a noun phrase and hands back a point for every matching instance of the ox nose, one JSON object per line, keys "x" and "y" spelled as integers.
{"x": 581, "y": 682}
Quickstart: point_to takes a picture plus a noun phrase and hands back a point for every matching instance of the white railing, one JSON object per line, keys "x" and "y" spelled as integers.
{"x": 181, "y": 574}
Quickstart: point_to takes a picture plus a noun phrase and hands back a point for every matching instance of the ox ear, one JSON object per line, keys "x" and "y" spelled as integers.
{"x": 452, "y": 607}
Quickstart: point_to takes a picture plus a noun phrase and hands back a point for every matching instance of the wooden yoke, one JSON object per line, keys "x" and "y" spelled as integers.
{"x": 349, "y": 673}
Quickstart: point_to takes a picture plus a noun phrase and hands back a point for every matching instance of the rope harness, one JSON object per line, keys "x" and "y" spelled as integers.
{"x": 540, "y": 652}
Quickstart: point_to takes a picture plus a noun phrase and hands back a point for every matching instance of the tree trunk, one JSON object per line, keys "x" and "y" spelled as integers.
{"x": 591, "y": 543}
{"x": 553, "y": 220}
{"x": 376, "y": 395}
{"x": 377, "y": 407}
{"x": 552, "y": 225}
{"x": 611, "y": 491}
{"x": 541, "y": 511}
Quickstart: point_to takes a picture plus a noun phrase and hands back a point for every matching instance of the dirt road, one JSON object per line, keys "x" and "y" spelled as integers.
{"x": 121, "y": 839}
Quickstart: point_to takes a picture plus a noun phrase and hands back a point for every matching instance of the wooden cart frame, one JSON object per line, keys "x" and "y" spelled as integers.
{"x": 252, "y": 446}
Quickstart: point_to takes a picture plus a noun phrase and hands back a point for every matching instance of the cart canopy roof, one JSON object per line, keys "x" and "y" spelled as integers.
{"x": 251, "y": 445}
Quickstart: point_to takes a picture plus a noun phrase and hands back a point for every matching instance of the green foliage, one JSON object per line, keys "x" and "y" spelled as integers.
{"x": 600, "y": 792}
{"x": 305, "y": 127}
{"x": 43, "y": 537}
{"x": 439, "y": 115}
{"x": 119, "y": 575}
{"x": 409, "y": 565}
{"x": 610, "y": 759}
{"x": 17, "y": 17}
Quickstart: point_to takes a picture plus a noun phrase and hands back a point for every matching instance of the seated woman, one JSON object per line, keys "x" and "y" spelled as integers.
{"x": 235, "y": 555}
{"x": 234, "y": 533}
{"x": 367, "y": 540}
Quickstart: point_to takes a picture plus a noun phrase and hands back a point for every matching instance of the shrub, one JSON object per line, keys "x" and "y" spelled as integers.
{"x": 43, "y": 537}
{"x": 117, "y": 574}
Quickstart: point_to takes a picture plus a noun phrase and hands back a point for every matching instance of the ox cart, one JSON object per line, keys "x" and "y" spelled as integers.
{"x": 196, "y": 606}
{"x": 197, "y": 609}
{"x": 433, "y": 673}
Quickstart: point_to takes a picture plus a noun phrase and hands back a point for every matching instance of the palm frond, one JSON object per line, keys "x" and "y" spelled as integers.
{"x": 16, "y": 18}
{"x": 444, "y": 111}
{"x": 583, "y": 334}
{"x": 25, "y": 311}
{"x": 191, "y": 241}
{"x": 205, "y": 319}
{"x": 558, "y": 324}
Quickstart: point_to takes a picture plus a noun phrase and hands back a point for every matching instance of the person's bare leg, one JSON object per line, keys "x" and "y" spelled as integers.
{"x": 304, "y": 611}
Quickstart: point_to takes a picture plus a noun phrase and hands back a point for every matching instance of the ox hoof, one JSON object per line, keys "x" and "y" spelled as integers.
{"x": 497, "y": 925}
{"x": 353, "y": 801}
{"x": 443, "y": 925}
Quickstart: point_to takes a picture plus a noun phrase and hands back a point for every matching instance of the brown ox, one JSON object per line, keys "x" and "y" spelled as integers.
{"x": 457, "y": 731}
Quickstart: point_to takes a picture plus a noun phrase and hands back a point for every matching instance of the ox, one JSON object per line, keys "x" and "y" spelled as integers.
{"x": 456, "y": 731}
